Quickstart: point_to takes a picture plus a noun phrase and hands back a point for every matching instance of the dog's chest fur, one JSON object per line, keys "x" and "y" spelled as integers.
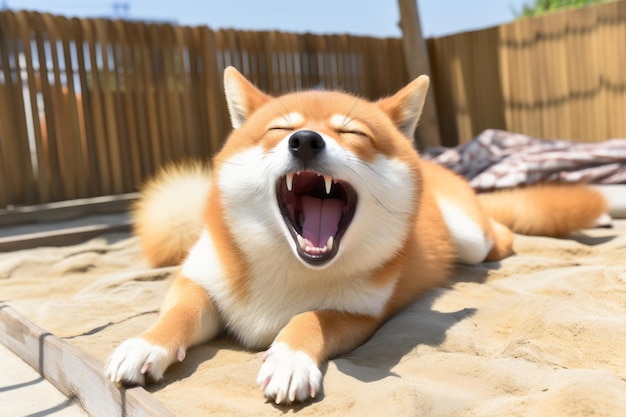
{"x": 278, "y": 290}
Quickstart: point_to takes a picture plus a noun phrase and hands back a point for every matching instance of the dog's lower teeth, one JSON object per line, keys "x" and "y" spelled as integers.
{"x": 314, "y": 249}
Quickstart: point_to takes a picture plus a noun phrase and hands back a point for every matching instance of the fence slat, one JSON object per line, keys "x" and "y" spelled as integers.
{"x": 127, "y": 81}
{"x": 14, "y": 155}
{"x": 84, "y": 106}
{"x": 19, "y": 152}
{"x": 216, "y": 115}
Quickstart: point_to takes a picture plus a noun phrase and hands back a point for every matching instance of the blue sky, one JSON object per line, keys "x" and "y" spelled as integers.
{"x": 358, "y": 17}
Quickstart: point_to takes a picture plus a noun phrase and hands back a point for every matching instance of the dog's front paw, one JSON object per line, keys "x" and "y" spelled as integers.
{"x": 135, "y": 358}
{"x": 288, "y": 375}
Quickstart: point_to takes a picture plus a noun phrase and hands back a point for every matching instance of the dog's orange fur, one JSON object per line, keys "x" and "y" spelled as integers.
{"x": 164, "y": 234}
{"x": 168, "y": 226}
{"x": 545, "y": 210}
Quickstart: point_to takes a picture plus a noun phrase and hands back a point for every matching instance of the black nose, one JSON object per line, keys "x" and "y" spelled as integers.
{"x": 306, "y": 144}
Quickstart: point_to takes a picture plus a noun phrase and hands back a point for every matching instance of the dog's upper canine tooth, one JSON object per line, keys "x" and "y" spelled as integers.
{"x": 289, "y": 180}
{"x": 328, "y": 182}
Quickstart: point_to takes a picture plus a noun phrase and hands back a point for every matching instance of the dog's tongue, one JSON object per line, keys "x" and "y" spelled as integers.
{"x": 321, "y": 219}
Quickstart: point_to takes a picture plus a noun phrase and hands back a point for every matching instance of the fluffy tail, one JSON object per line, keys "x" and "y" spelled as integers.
{"x": 547, "y": 210}
{"x": 168, "y": 215}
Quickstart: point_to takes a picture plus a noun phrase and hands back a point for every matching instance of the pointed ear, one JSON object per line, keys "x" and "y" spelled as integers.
{"x": 405, "y": 107}
{"x": 242, "y": 97}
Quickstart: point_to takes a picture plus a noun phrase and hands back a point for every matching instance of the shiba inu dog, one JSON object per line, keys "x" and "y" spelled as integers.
{"x": 316, "y": 223}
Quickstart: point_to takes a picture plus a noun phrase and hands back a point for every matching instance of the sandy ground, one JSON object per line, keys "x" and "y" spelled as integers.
{"x": 542, "y": 333}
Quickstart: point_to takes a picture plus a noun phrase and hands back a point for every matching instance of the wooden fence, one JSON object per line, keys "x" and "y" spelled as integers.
{"x": 92, "y": 107}
{"x": 559, "y": 76}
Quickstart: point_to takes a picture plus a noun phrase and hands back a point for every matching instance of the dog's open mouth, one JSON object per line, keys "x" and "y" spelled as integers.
{"x": 317, "y": 210}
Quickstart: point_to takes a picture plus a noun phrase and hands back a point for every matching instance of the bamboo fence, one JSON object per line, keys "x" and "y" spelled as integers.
{"x": 558, "y": 76}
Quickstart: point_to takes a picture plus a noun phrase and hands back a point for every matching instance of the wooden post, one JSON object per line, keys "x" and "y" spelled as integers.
{"x": 72, "y": 371}
{"x": 416, "y": 57}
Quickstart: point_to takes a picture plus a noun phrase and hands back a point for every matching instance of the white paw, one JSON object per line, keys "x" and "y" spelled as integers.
{"x": 605, "y": 220}
{"x": 288, "y": 375}
{"x": 135, "y": 358}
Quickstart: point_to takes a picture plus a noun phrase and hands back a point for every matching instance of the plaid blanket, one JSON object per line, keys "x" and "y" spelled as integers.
{"x": 499, "y": 159}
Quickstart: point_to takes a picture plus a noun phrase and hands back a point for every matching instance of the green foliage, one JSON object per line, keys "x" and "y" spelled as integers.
{"x": 546, "y": 6}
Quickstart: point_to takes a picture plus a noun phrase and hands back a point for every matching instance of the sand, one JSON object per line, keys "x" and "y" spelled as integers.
{"x": 542, "y": 333}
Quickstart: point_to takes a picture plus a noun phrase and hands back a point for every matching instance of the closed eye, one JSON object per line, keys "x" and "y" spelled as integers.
{"x": 353, "y": 132}
{"x": 280, "y": 128}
